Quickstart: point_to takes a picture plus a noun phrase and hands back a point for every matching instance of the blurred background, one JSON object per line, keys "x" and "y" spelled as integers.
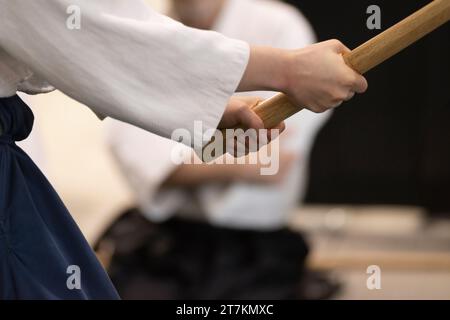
{"x": 375, "y": 179}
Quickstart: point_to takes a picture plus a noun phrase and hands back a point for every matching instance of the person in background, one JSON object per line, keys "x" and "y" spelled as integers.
{"x": 228, "y": 221}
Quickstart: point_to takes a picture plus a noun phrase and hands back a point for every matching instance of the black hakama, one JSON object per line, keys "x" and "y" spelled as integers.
{"x": 41, "y": 247}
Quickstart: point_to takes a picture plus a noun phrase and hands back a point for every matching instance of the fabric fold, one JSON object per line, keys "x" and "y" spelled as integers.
{"x": 39, "y": 241}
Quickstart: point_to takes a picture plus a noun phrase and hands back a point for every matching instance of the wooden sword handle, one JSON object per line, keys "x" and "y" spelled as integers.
{"x": 368, "y": 55}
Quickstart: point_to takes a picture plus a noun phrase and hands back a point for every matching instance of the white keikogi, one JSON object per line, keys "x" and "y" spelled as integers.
{"x": 240, "y": 205}
{"x": 126, "y": 61}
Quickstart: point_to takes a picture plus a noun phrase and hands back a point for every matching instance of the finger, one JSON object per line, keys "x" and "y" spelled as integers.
{"x": 350, "y": 96}
{"x": 241, "y": 148}
{"x": 252, "y": 102}
{"x": 236, "y": 147}
{"x": 360, "y": 84}
{"x": 249, "y": 119}
{"x": 275, "y": 131}
{"x": 344, "y": 50}
{"x": 340, "y": 47}
{"x": 337, "y": 104}
{"x": 281, "y": 126}
{"x": 251, "y": 140}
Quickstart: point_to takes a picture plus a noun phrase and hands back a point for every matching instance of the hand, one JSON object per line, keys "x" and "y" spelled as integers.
{"x": 315, "y": 77}
{"x": 239, "y": 114}
{"x": 318, "y": 78}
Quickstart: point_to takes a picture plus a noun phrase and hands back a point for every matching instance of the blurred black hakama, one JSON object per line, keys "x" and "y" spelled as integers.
{"x": 39, "y": 241}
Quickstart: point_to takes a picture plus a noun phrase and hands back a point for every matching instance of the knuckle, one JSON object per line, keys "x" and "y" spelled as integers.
{"x": 349, "y": 81}
{"x": 338, "y": 95}
{"x": 365, "y": 84}
{"x": 318, "y": 109}
{"x": 343, "y": 95}
{"x": 335, "y": 43}
{"x": 242, "y": 110}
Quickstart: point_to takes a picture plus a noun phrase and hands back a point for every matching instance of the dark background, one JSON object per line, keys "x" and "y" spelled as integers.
{"x": 391, "y": 145}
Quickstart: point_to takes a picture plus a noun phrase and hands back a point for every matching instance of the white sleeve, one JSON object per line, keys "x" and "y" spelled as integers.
{"x": 126, "y": 61}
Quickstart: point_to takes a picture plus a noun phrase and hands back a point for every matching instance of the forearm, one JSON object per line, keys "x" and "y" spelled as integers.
{"x": 199, "y": 174}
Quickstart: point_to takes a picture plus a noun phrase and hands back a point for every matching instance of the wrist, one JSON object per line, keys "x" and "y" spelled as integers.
{"x": 277, "y": 69}
{"x": 281, "y": 79}
{"x": 267, "y": 69}
{"x": 290, "y": 64}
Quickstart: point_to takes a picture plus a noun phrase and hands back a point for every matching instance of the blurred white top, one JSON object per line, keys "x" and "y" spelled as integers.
{"x": 120, "y": 58}
{"x": 241, "y": 205}
{"x": 33, "y": 145}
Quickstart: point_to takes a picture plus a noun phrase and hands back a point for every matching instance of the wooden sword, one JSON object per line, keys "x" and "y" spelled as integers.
{"x": 365, "y": 57}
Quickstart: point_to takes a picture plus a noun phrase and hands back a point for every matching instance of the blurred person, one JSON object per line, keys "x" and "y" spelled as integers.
{"x": 221, "y": 208}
